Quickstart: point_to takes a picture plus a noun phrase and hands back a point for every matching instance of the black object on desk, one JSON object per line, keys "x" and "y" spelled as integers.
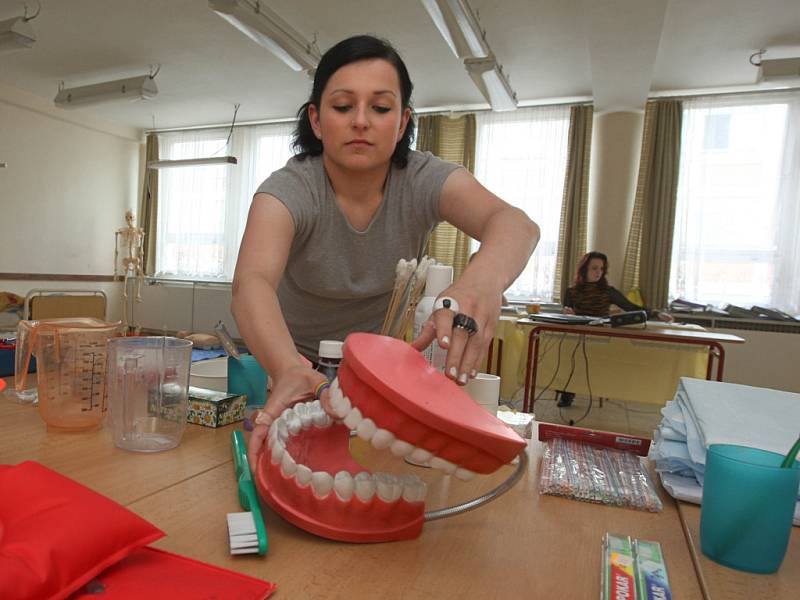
{"x": 562, "y": 319}
{"x": 633, "y": 317}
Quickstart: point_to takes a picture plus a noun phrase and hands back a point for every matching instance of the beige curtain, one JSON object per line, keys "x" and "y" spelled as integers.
{"x": 451, "y": 139}
{"x": 572, "y": 231}
{"x": 148, "y": 213}
{"x": 649, "y": 249}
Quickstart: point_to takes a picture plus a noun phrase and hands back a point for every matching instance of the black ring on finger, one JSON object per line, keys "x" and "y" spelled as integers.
{"x": 465, "y": 322}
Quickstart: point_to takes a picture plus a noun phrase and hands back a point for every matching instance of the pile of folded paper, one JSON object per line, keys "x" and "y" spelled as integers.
{"x": 712, "y": 412}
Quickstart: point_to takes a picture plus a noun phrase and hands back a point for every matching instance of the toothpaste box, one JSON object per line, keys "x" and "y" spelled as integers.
{"x": 651, "y": 572}
{"x": 619, "y": 569}
{"x": 633, "y": 570}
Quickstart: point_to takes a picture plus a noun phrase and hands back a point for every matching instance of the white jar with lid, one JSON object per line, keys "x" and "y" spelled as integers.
{"x": 330, "y": 355}
{"x": 438, "y": 279}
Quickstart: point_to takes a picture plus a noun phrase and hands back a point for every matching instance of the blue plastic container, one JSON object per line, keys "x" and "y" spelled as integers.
{"x": 246, "y": 376}
{"x": 748, "y": 505}
{"x": 7, "y": 357}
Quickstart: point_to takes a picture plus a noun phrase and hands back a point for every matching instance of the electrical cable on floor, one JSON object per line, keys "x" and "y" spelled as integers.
{"x": 582, "y": 338}
{"x": 555, "y": 373}
{"x": 588, "y": 385}
{"x": 517, "y": 405}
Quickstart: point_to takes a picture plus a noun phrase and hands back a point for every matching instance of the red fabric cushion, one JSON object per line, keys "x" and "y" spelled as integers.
{"x": 56, "y": 535}
{"x": 154, "y": 574}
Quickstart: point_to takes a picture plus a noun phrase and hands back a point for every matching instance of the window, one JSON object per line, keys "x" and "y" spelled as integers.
{"x": 522, "y": 157}
{"x": 202, "y": 210}
{"x": 717, "y": 131}
{"x": 738, "y": 204}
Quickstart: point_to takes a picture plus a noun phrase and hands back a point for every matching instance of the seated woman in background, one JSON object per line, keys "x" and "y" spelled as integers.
{"x": 591, "y": 295}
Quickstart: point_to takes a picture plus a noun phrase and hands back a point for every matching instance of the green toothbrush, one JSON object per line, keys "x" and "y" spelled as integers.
{"x": 246, "y": 531}
{"x": 792, "y": 456}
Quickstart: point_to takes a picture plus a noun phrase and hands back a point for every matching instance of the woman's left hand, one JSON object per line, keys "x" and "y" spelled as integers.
{"x": 294, "y": 385}
{"x": 465, "y": 349}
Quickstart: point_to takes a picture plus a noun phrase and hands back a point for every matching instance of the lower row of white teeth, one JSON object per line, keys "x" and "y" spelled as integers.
{"x": 381, "y": 439}
{"x": 364, "y": 485}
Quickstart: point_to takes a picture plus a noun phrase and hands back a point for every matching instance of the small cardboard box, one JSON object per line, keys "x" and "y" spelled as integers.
{"x": 214, "y": 409}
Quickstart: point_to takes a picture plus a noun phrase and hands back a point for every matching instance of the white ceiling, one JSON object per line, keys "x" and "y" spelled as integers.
{"x": 616, "y": 51}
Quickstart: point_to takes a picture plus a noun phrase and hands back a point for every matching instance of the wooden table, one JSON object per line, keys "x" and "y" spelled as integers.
{"x": 521, "y": 545}
{"x": 719, "y": 582}
{"x": 713, "y": 341}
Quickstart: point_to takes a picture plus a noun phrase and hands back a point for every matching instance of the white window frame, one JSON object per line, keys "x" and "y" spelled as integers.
{"x": 521, "y": 156}
{"x": 210, "y": 203}
{"x": 738, "y": 206}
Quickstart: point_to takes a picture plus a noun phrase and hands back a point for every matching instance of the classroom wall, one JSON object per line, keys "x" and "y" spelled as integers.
{"x": 766, "y": 359}
{"x": 64, "y": 193}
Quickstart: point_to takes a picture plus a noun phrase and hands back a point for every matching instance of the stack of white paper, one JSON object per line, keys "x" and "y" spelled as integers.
{"x": 710, "y": 412}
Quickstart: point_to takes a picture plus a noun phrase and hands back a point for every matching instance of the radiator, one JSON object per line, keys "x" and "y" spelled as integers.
{"x": 175, "y": 305}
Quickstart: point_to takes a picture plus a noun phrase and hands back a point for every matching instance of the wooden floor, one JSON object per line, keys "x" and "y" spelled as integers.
{"x": 615, "y": 415}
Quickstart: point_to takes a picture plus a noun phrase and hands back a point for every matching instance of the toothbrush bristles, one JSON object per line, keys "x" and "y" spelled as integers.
{"x": 242, "y": 533}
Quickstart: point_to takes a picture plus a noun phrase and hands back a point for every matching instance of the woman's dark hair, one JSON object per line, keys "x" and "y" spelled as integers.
{"x": 360, "y": 47}
{"x": 583, "y": 267}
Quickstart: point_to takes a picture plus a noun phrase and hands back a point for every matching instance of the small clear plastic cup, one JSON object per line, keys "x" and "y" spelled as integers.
{"x": 148, "y": 383}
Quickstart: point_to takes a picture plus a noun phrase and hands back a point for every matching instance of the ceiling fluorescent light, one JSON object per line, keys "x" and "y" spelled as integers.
{"x": 196, "y": 162}
{"x": 16, "y": 34}
{"x": 459, "y": 26}
{"x": 492, "y": 83}
{"x": 778, "y": 69}
{"x": 192, "y": 162}
{"x": 142, "y": 87}
{"x": 267, "y": 29}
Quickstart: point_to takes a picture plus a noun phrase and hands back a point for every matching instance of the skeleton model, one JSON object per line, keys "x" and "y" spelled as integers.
{"x": 130, "y": 241}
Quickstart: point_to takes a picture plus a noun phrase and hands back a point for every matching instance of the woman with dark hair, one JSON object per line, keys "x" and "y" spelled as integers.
{"x": 325, "y": 233}
{"x": 591, "y": 294}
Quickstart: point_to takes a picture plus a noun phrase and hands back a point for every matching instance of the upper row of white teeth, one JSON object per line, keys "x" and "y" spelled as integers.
{"x": 388, "y": 487}
{"x": 382, "y": 439}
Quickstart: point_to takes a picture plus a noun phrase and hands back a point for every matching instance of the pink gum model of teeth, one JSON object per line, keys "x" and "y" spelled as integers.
{"x": 394, "y": 399}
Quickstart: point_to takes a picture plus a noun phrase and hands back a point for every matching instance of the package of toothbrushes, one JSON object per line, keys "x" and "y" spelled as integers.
{"x": 619, "y": 568}
{"x": 589, "y": 473}
{"x": 651, "y": 572}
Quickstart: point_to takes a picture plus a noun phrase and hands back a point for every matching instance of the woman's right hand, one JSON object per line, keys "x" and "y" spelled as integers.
{"x": 295, "y": 384}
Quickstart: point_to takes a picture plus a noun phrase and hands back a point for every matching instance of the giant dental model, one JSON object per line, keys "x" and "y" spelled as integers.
{"x": 394, "y": 399}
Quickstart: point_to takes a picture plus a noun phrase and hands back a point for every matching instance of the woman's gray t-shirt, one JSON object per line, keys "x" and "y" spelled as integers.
{"x": 339, "y": 280}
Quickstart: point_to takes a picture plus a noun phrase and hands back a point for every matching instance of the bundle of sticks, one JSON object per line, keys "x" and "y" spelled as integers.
{"x": 409, "y": 285}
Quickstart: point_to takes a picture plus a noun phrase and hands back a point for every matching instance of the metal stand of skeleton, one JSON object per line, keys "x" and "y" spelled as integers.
{"x": 130, "y": 241}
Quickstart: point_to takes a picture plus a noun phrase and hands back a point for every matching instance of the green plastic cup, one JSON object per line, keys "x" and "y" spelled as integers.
{"x": 748, "y": 505}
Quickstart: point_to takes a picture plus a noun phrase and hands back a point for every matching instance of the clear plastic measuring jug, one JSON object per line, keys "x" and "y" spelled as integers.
{"x": 70, "y": 364}
{"x": 148, "y": 384}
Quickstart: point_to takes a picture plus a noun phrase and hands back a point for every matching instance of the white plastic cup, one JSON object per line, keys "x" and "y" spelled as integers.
{"x": 485, "y": 390}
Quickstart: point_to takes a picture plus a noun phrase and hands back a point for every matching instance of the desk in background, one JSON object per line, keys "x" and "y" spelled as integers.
{"x": 652, "y": 369}
{"x": 507, "y": 356}
{"x": 521, "y": 545}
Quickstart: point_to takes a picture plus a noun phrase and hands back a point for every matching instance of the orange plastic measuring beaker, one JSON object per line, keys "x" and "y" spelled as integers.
{"x": 70, "y": 364}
